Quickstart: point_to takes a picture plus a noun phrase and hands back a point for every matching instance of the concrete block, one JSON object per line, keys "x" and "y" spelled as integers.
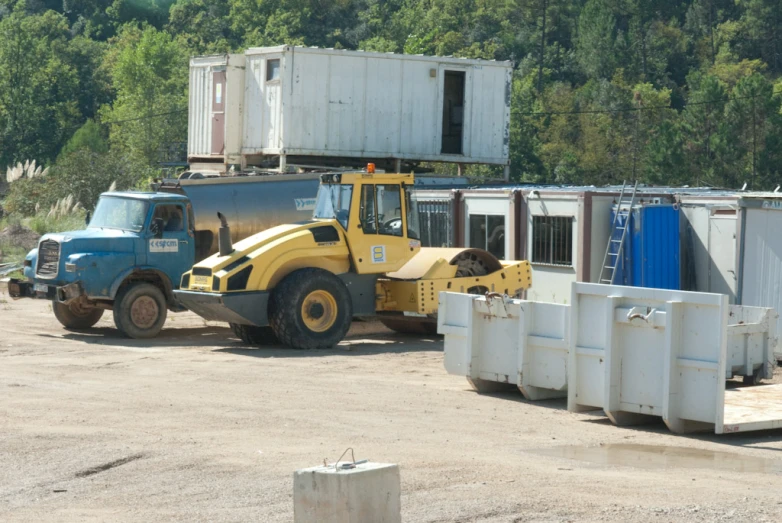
{"x": 370, "y": 492}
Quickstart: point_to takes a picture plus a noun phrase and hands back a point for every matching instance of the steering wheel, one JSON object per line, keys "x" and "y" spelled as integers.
{"x": 392, "y": 226}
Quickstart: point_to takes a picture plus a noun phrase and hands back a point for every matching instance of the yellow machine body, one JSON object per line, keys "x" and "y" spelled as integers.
{"x": 363, "y": 232}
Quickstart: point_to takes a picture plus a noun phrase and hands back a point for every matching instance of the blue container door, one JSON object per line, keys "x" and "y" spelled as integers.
{"x": 657, "y": 260}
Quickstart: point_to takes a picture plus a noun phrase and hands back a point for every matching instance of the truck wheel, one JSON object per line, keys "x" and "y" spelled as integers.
{"x": 140, "y": 310}
{"x": 252, "y": 335}
{"x": 76, "y": 317}
{"x": 310, "y": 309}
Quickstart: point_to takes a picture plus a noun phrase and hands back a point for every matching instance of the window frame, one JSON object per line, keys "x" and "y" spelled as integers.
{"x": 278, "y": 63}
{"x": 556, "y": 252}
{"x": 487, "y": 235}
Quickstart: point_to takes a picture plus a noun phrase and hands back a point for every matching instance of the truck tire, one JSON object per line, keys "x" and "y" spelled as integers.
{"x": 140, "y": 310}
{"x": 310, "y": 309}
{"x": 75, "y": 317}
{"x": 252, "y": 335}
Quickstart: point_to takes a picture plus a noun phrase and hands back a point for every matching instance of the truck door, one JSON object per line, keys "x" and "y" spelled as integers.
{"x": 170, "y": 242}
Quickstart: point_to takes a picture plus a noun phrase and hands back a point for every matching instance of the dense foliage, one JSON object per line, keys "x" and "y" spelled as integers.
{"x": 667, "y": 92}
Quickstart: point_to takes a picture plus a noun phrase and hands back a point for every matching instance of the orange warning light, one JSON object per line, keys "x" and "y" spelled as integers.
{"x": 371, "y": 168}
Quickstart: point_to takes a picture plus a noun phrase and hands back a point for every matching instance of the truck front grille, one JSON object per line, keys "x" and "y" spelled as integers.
{"x": 48, "y": 259}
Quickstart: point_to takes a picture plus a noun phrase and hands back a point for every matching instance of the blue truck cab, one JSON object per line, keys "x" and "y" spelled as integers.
{"x": 129, "y": 259}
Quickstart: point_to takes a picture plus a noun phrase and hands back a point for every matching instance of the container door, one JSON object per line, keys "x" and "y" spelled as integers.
{"x": 454, "y": 90}
{"x": 218, "y": 111}
{"x": 271, "y": 112}
{"x": 722, "y": 253}
{"x": 762, "y": 265}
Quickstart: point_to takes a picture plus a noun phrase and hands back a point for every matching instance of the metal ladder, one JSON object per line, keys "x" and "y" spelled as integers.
{"x": 611, "y": 259}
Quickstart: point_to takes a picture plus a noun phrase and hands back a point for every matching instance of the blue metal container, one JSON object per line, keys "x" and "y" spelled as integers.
{"x": 651, "y": 254}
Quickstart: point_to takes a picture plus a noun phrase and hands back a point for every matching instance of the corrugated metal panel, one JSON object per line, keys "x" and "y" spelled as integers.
{"x": 660, "y": 247}
{"x": 651, "y": 254}
{"x": 199, "y": 135}
{"x": 253, "y": 103}
{"x": 436, "y": 220}
{"x": 761, "y": 282}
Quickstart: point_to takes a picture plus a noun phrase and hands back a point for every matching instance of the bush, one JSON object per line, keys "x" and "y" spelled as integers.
{"x": 82, "y": 174}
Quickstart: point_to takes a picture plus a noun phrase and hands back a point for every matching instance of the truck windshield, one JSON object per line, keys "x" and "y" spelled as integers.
{"x": 333, "y": 201}
{"x": 127, "y": 214}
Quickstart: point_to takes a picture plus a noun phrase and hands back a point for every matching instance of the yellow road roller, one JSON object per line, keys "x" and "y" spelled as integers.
{"x": 302, "y": 284}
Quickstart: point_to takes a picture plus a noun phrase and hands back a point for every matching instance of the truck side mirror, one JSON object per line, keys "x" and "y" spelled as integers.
{"x": 88, "y": 218}
{"x": 157, "y": 227}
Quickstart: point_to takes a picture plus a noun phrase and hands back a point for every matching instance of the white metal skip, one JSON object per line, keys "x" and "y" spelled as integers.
{"x": 633, "y": 352}
{"x": 501, "y": 340}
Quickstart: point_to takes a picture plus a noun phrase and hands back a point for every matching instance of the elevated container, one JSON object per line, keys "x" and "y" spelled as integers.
{"x": 306, "y": 105}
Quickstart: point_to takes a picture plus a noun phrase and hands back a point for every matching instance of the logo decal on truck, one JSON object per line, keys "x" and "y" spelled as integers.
{"x": 378, "y": 254}
{"x": 163, "y": 245}
{"x": 304, "y": 204}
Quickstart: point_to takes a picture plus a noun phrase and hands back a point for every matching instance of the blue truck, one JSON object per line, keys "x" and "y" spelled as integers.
{"x": 130, "y": 257}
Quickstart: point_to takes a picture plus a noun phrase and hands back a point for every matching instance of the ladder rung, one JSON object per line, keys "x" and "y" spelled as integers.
{"x": 616, "y": 241}
{"x": 608, "y": 267}
{"x": 607, "y": 281}
{"x": 613, "y": 254}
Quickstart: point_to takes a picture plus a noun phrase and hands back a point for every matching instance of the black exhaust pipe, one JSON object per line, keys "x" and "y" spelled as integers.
{"x": 224, "y": 236}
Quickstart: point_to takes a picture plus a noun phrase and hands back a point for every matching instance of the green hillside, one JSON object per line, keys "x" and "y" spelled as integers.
{"x": 667, "y": 92}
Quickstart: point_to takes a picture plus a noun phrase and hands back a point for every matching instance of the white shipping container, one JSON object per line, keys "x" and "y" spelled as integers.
{"x": 307, "y": 102}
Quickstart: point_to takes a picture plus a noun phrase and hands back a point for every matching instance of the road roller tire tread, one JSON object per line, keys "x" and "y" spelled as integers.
{"x": 123, "y": 305}
{"x": 410, "y": 327}
{"x": 286, "y": 303}
{"x": 76, "y": 320}
{"x": 252, "y": 335}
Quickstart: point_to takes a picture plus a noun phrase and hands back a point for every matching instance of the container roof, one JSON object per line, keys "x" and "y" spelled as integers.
{"x": 372, "y": 54}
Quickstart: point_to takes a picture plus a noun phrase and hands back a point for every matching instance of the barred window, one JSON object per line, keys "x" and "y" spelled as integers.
{"x": 552, "y": 240}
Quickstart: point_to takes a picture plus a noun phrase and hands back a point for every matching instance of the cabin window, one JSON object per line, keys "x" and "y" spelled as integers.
{"x": 381, "y": 210}
{"x": 552, "y": 240}
{"x": 272, "y": 70}
{"x": 487, "y": 232}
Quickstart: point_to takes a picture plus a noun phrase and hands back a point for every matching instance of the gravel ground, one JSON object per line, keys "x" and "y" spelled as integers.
{"x": 194, "y": 427}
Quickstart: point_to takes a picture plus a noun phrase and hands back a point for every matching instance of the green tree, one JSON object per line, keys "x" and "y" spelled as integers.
{"x": 149, "y": 73}
{"x": 753, "y": 112}
{"x": 597, "y": 46}
{"x": 38, "y": 87}
{"x": 88, "y": 137}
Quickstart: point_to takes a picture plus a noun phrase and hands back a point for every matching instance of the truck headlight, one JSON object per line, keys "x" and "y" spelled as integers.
{"x": 70, "y": 267}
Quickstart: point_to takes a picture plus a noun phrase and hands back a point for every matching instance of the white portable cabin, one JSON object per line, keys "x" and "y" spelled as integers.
{"x": 308, "y": 102}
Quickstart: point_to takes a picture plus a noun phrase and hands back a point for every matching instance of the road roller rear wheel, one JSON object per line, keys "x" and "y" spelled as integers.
{"x": 409, "y": 327}
{"x": 310, "y": 309}
{"x": 252, "y": 335}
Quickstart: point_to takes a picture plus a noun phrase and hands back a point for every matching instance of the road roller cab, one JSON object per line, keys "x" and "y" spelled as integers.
{"x": 302, "y": 284}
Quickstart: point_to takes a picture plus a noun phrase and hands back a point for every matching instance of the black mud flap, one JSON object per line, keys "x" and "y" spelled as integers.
{"x": 245, "y": 308}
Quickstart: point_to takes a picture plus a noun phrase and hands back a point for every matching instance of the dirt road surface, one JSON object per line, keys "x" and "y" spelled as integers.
{"x": 194, "y": 427}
